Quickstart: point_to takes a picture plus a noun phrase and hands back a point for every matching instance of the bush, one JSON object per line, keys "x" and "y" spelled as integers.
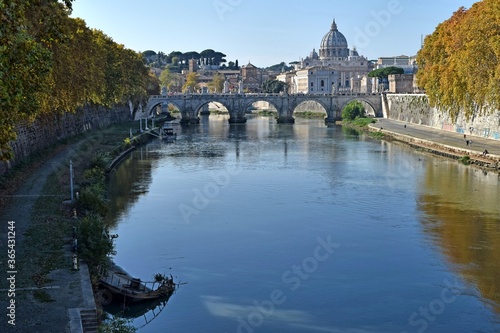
{"x": 92, "y": 199}
{"x": 353, "y": 110}
{"x": 465, "y": 160}
{"x": 362, "y": 122}
{"x": 94, "y": 243}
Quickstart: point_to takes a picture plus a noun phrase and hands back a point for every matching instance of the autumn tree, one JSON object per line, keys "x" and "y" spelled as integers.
{"x": 459, "y": 64}
{"x": 25, "y": 65}
{"x": 51, "y": 63}
{"x": 217, "y": 83}
{"x": 167, "y": 79}
{"x": 191, "y": 84}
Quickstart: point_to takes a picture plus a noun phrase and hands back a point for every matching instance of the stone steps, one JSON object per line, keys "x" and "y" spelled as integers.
{"x": 89, "y": 321}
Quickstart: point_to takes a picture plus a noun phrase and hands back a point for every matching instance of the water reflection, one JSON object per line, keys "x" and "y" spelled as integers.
{"x": 145, "y": 311}
{"x": 383, "y": 202}
{"x": 462, "y": 218}
{"x": 129, "y": 181}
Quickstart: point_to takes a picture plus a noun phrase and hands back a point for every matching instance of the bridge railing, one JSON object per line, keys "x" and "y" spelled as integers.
{"x": 177, "y": 95}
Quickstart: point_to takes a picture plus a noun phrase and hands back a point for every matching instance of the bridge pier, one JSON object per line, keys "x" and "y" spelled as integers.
{"x": 189, "y": 118}
{"x": 237, "y": 118}
{"x": 285, "y": 119}
{"x": 205, "y": 110}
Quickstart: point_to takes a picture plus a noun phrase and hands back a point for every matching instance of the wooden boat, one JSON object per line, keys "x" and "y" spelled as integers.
{"x": 168, "y": 133}
{"x": 116, "y": 284}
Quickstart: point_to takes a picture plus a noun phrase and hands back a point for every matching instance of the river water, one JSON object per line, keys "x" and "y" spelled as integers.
{"x": 308, "y": 228}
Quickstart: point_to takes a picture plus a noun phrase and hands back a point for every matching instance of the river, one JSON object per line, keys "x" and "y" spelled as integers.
{"x": 308, "y": 228}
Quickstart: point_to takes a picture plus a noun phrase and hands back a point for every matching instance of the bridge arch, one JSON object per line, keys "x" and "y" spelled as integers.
{"x": 198, "y": 109}
{"x": 311, "y": 102}
{"x": 250, "y": 102}
{"x": 162, "y": 104}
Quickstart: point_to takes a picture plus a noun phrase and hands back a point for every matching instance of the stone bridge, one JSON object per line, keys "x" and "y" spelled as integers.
{"x": 190, "y": 105}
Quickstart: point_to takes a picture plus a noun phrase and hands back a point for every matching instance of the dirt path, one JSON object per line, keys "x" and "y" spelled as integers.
{"x": 36, "y": 310}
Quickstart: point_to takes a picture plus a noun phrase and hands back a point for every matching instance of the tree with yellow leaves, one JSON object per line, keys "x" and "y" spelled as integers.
{"x": 459, "y": 64}
{"x": 191, "y": 84}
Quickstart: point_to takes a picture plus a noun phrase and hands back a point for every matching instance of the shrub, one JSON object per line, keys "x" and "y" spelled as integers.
{"x": 353, "y": 110}
{"x": 95, "y": 245}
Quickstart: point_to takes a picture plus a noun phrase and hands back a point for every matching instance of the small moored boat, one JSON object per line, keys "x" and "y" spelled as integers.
{"x": 168, "y": 133}
{"x": 116, "y": 284}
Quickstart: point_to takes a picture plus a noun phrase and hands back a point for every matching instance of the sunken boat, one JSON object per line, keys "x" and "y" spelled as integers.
{"x": 116, "y": 284}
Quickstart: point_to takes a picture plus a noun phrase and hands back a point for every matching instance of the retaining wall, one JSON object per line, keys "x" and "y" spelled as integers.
{"x": 414, "y": 108}
{"x": 50, "y": 129}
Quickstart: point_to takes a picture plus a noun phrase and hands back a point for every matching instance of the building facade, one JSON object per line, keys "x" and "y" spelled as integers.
{"x": 335, "y": 69}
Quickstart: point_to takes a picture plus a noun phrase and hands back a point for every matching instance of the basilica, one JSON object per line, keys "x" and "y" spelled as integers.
{"x": 336, "y": 69}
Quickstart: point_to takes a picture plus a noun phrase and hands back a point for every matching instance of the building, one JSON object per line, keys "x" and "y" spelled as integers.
{"x": 409, "y": 64}
{"x": 335, "y": 69}
{"x": 401, "y": 83}
{"x": 252, "y": 78}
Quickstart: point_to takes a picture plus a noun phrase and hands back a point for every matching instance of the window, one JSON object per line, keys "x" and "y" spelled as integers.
{"x": 312, "y": 84}
{"x": 322, "y": 83}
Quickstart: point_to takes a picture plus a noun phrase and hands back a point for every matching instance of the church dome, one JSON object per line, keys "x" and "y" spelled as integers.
{"x": 334, "y": 44}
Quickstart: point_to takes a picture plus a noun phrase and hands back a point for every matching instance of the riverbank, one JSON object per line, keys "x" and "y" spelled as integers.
{"x": 47, "y": 292}
{"x": 444, "y": 143}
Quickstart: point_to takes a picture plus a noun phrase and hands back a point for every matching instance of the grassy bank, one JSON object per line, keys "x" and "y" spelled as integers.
{"x": 48, "y": 239}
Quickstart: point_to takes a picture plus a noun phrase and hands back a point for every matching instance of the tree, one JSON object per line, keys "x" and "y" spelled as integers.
{"x": 281, "y": 67}
{"x": 459, "y": 61}
{"x": 167, "y": 79}
{"x": 274, "y": 86}
{"x": 217, "y": 83}
{"x": 353, "y": 110}
{"x": 383, "y": 73}
{"x": 25, "y": 65}
{"x": 95, "y": 244}
{"x": 51, "y": 63}
{"x": 191, "y": 84}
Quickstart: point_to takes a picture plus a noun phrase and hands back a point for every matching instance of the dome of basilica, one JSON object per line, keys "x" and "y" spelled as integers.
{"x": 333, "y": 44}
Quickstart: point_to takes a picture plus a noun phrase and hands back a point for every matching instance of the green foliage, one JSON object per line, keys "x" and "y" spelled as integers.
{"x": 273, "y": 86}
{"x": 217, "y": 83}
{"x": 377, "y": 135}
{"x": 383, "y": 73}
{"x": 95, "y": 244}
{"x": 117, "y": 325}
{"x": 353, "y": 110}
{"x": 92, "y": 196}
{"x": 310, "y": 114}
{"x": 167, "y": 79}
{"x": 101, "y": 160}
{"x": 465, "y": 159}
{"x": 51, "y": 63}
{"x": 281, "y": 67}
{"x": 362, "y": 122}
{"x": 91, "y": 199}
{"x": 191, "y": 84}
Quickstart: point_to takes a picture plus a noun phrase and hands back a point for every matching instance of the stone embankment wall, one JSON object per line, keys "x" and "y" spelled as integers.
{"x": 414, "y": 108}
{"x": 48, "y": 130}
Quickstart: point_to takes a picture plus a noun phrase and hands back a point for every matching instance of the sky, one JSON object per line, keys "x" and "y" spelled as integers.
{"x": 267, "y": 32}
